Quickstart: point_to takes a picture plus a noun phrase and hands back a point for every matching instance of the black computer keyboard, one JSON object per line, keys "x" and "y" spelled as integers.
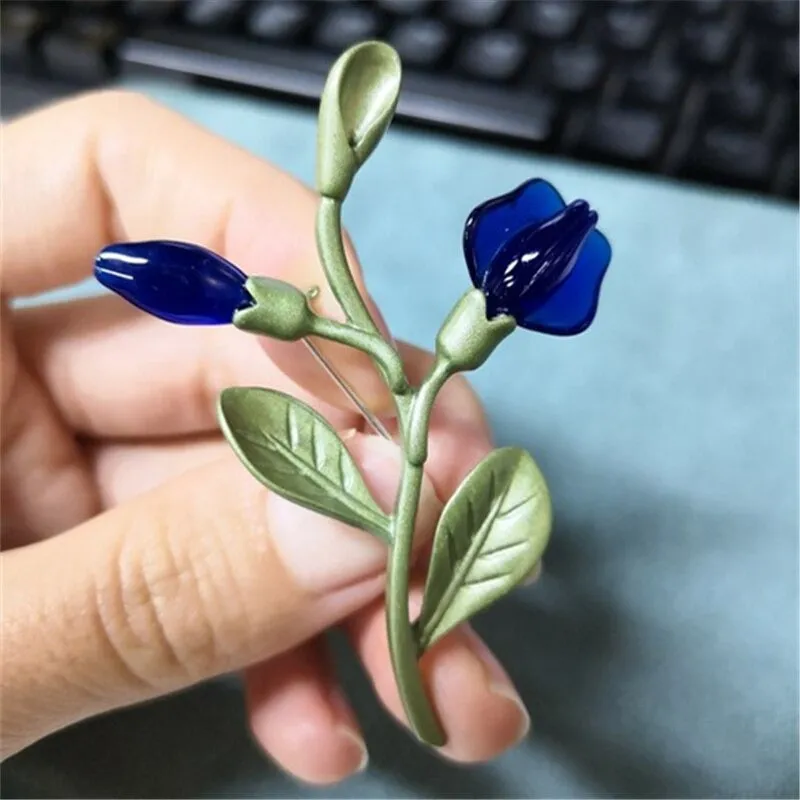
{"x": 701, "y": 90}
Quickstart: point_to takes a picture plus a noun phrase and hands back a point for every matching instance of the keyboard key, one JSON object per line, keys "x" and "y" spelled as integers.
{"x": 617, "y": 72}
{"x": 81, "y": 50}
{"x": 778, "y": 60}
{"x": 213, "y": 13}
{"x": 708, "y": 8}
{"x": 653, "y": 85}
{"x": 496, "y": 56}
{"x": 736, "y": 155}
{"x": 343, "y": 27}
{"x": 278, "y": 21}
{"x": 421, "y": 42}
{"x": 787, "y": 174}
{"x": 790, "y": 119}
{"x": 743, "y": 102}
{"x": 152, "y": 10}
{"x": 777, "y": 13}
{"x": 552, "y": 19}
{"x": 624, "y": 135}
{"x": 405, "y": 7}
{"x": 632, "y": 28}
{"x": 476, "y": 13}
{"x": 790, "y": 57}
{"x": 708, "y": 43}
{"x": 484, "y": 108}
{"x": 575, "y": 68}
{"x": 93, "y": 7}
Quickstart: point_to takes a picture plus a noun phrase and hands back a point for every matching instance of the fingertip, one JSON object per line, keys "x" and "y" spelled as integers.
{"x": 476, "y": 702}
{"x": 301, "y": 719}
{"x": 484, "y": 715}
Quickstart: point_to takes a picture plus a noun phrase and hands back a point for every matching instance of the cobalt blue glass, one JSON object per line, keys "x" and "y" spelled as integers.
{"x": 174, "y": 281}
{"x": 537, "y": 259}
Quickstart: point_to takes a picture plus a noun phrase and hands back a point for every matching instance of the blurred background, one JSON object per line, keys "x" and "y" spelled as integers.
{"x": 658, "y": 653}
{"x": 702, "y": 90}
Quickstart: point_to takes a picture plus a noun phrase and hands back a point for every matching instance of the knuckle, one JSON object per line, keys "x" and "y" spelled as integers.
{"x": 164, "y": 609}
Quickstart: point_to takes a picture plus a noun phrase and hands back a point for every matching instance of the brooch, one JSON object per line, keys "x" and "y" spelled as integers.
{"x": 535, "y": 262}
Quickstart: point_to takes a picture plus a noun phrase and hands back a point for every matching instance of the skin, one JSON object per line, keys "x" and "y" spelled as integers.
{"x": 138, "y": 556}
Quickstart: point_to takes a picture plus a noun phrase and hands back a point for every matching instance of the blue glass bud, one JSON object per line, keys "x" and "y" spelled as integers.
{"x": 537, "y": 259}
{"x": 174, "y": 281}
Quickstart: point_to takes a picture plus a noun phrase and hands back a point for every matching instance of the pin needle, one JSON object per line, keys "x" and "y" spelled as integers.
{"x": 348, "y": 390}
{"x": 344, "y": 386}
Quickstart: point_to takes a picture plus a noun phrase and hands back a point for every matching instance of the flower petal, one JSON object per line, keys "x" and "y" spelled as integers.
{"x": 492, "y": 223}
{"x": 175, "y": 281}
{"x": 571, "y": 307}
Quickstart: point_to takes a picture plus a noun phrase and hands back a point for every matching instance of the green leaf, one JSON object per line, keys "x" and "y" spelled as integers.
{"x": 490, "y": 536}
{"x": 292, "y": 450}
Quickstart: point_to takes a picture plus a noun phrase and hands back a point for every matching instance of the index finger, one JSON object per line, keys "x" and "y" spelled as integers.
{"x": 116, "y": 166}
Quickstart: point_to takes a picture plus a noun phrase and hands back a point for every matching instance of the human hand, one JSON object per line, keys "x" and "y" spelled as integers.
{"x": 139, "y": 556}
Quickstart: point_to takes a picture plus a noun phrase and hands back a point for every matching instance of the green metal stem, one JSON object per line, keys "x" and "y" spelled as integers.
{"x": 402, "y": 647}
{"x": 414, "y": 412}
{"x": 385, "y": 356}
{"x": 330, "y": 245}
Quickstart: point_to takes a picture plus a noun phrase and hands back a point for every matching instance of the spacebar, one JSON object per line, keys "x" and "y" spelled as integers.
{"x": 424, "y": 98}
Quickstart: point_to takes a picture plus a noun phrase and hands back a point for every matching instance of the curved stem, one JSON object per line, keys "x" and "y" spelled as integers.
{"x": 373, "y": 344}
{"x": 414, "y": 411}
{"x": 422, "y": 406}
{"x": 402, "y": 647}
{"x": 330, "y": 245}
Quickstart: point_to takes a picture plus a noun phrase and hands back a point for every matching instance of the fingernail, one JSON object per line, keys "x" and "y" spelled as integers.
{"x": 499, "y": 683}
{"x": 533, "y": 575}
{"x": 323, "y": 554}
{"x": 357, "y": 743}
{"x": 348, "y": 730}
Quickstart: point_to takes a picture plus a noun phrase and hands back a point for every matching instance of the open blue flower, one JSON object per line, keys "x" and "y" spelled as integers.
{"x": 537, "y": 259}
{"x": 174, "y": 281}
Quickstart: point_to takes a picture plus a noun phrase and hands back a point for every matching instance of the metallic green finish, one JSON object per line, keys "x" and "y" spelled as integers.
{"x": 416, "y": 439}
{"x": 374, "y": 345}
{"x": 491, "y": 535}
{"x": 291, "y": 449}
{"x": 280, "y": 311}
{"x": 330, "y": 245}
{"x": 357, "y": 105}
{"x": 494, "y": 529}
{"x": 402, "y": 647}
{"x": 467, "y": 338}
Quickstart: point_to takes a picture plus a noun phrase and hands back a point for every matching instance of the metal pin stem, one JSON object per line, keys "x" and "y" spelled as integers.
{"x": 348, "y": 390}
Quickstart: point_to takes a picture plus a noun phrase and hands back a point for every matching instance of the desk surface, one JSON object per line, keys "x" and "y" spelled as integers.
{"x": 659, "y": 653}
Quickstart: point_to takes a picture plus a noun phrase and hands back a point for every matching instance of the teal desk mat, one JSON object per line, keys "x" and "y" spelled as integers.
{"x": 659, "y": 652}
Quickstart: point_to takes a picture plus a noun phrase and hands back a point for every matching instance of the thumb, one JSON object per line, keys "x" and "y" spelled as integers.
{"x": 207, "y": 574}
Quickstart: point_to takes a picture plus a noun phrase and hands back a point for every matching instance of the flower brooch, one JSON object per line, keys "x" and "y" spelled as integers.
{"x": 535, "y": 262}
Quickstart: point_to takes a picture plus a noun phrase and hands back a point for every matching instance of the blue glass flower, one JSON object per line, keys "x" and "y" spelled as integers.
{"x": 175, "y": 281}
{"x": 537, "y": 259}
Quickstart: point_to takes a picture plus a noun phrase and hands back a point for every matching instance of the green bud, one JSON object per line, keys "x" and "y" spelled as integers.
{"x": 467, "y": 338}
{"x": 280, "y": 311}
{"x": 357, "y": 105}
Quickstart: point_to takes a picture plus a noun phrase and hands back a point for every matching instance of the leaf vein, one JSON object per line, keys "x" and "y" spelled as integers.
{"x": 502, "y": 548}
{"x": 367, "y": 514}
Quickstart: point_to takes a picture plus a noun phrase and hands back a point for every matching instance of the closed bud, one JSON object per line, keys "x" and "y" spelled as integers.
{"x": 357, "y": 105}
